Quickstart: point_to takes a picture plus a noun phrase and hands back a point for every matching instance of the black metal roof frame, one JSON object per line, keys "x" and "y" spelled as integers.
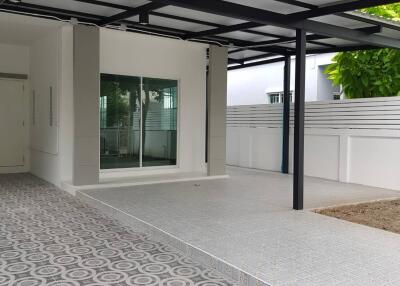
{"x": 365, "y": 38}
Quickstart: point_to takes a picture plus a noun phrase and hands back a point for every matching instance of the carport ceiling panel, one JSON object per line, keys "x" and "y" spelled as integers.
{"x": 245, "y": 54}
{"x": 76, "y": 6}
{"x": 276, "y": 31}
{"x": 341, "y": 22}
{"x": 174, "y": 24}
{"x": 337, "y": 42}
{"x": 308, "y": 46}
{"x": 135, "y": 3}
{"x": 321, "y": 2}
{"x": 270, "y": 5}
{"x": 277, "y": 6}
{"x": 390, "y": 33}
{"x": 197, "y": 15}
{"x": 246, "y": 36}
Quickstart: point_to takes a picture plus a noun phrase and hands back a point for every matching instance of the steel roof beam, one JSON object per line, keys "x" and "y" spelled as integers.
{"x": 105, "y": 4}
{"x": 258, "y": 63}
{"x": 86, "y": 17}
{"x": 311, "y": 39}
{"x": 258, "y": 57}
{"x": 385, "y": 24}
{"x": 291, "y": 2}
{"x": 338, "y": 7}
{"x": 130, "y": 13}
{"x": 314, "y": 37}
{"x": 52, "y": 12}
{"x": 309, "y": 51}
{"x": 174, "y": 17}
{"x": 222, "y": 30}
{"x": 298, "y": 3}
{"x": 251, "y": 14}
{"x": 359, "y": 18}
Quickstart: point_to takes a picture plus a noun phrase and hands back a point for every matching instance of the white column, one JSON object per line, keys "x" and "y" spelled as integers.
{"x": 86, "y": 105}
{"x": 216, "y": 102}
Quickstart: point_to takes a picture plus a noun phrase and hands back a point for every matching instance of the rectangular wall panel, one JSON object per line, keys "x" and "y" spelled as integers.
{"x": 375, "y": 161}
{"x": 86, "y": 105}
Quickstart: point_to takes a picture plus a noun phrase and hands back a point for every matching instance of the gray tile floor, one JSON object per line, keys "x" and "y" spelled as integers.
{"x": 49, "y": 238}
{"x": 247, "y": 222}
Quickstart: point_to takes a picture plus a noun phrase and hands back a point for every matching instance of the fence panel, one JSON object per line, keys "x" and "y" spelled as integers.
{"x": 382, "y": 113}
{"x": 355, "y": 141}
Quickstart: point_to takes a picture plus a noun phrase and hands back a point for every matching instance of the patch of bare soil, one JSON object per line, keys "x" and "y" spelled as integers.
{"x": 381, "y": 214}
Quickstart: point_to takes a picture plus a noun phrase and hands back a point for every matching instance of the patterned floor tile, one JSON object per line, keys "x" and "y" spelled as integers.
{"x": 48, "y": 237}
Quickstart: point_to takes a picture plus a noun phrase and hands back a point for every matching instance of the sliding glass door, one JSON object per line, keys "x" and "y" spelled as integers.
{"x": 138, "y": 118}
{"x": 159, "y": 122}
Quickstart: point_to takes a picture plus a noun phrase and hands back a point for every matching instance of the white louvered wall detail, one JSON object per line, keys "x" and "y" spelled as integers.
{"x": 374, "y": 113}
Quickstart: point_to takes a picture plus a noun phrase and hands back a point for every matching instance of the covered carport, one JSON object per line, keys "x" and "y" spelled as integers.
{"x": 244, "y": 226}
{"x": 254, "y": 33}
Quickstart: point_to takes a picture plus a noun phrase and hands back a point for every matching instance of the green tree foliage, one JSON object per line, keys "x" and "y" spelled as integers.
{"x": 116, "y": 105}
{"x": 370, "y": 73}
{"x": 391, "y": 11}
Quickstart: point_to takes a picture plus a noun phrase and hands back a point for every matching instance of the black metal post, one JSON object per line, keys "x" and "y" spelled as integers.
{"x": 286, "y": 115}
{"x": 298, "y": 160}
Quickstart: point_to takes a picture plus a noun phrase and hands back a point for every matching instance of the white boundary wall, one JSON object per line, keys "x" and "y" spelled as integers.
{"x": 355, "y": 141}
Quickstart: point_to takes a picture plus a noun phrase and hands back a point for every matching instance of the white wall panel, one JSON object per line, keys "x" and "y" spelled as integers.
{"x": 51, "y": 66}
{"x": 266, "y": 149}
{"x": 321, "y": 156}
{"x": 14, "y": 59}
{"x": 44, "y": 80}
{"x": 375, "y": 161}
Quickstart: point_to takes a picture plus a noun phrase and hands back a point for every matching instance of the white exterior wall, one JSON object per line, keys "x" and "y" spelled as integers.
{"x": 14, "y": 59}
{"x": 367, "y": 157}
{"x": 133, "y": 54}
{"x": 250, "y": 85}
{"x": 51, "y": 64}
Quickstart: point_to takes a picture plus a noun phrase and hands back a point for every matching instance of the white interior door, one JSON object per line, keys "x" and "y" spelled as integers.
{"x": 11, "y": 123}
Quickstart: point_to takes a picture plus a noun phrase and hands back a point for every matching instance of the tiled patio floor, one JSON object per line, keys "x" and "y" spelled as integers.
{"x": 50, "y": 238}
{"x": 245, "y": 224}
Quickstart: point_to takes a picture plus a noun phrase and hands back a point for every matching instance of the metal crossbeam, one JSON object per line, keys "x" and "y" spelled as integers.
{"x": 338, "y": 7}
{"x": 264, "y": 17}
{"x": 298, "y": 3}
{"x": 258, "y": 63}
{"x": 53, "y": 12}
{"x": 222, "y": 30}
{"x": 64, "y": 14}
{"x": 175, "y": 17}
{"x": 247, "y": 62}
{"x": 244, "y": 27}
{"x": 130, "y": 13}
{"x": 314, "y": 37}
{"x": 105, "y": 4}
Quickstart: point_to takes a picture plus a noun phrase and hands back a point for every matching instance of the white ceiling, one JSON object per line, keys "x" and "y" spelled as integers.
{"x": 172, "y": 10}
{"x": 87, "y": 8}
{"x": 23, "y": 30}
{"x": 270, "y": 5}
